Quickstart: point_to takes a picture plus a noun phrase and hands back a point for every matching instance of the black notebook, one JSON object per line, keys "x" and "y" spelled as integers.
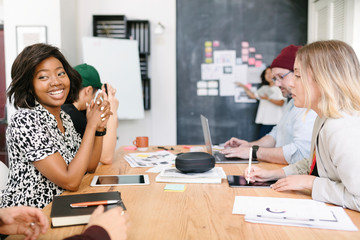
{"x": 63, "y": 215}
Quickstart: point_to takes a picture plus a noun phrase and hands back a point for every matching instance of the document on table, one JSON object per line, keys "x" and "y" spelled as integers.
{"x": 173, "y": 175}
{"x": 150, "y": 159}
{"x": 292, "y": 212}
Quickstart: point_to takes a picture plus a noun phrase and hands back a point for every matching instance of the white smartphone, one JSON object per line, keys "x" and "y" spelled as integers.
{"x": 119, "y": 180}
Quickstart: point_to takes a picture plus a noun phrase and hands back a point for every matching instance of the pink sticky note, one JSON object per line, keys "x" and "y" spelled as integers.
{"x": 245, "y": 51}
{"x": 130, "y": 148}
{"x": 248, "y": 85}
{"x": 208, "y": 54}
{"x": 258, "y": 63}
{"x": 252, "y": 49}
{"x": 245, "y": 44}
{"x": 216, "y": 43}
{"x": 251, "y": 61}
{"x": 258, "y": 56}
{"x": 244, "y": 58}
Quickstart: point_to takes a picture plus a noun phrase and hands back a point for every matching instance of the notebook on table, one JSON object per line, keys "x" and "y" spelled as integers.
{"x": 219, "y": 157}
{"x": 62, "y": 214}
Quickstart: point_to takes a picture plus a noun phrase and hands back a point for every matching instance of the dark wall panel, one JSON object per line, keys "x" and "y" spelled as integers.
{"x": 268, "y": 25}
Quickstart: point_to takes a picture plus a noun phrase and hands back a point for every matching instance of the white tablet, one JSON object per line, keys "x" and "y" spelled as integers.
{"x": 118, "y": 180}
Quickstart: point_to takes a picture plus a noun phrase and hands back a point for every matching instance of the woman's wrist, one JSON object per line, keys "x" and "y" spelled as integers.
{"x": 100, "y": 129}
{"x": 277, "y": 174}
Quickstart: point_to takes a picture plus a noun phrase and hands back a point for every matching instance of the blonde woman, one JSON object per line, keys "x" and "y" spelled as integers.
{"x": 326, "y": 80}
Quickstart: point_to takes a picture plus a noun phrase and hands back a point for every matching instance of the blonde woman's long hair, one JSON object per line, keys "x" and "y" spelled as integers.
{"x": 334, "y": 67}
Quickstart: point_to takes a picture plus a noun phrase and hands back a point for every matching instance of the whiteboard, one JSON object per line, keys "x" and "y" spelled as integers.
{"x": 117, "y": 61}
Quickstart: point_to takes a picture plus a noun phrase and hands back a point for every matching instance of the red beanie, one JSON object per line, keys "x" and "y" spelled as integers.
{"x": 286, "y": 58}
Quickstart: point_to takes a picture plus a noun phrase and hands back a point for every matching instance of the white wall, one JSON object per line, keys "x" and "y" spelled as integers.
{"x": 27, "y": 14}
{"x": 37, "y": 12}
{"x": 68, "y": 12}
{"x": 351, "y": 10}
{"x": 355, "y": 38}
{"x": 68, "y": 21}
{"x": 160, "y": 122}
{"x": 1, "y": 11}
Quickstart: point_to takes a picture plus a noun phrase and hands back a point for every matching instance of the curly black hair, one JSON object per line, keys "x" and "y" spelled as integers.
{"x": 21, "y": 89}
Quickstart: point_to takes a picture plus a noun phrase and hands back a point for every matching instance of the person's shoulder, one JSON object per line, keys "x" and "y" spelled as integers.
{"x": 275, "y": 89}
{"x": 68, "y": 108}
{"x": 24, "y": 114}
{"x": 72, "y": 111}
{"x": 264, "y": 87}
{"x": 350, "y": 121}
{"x": 342, "y": 129}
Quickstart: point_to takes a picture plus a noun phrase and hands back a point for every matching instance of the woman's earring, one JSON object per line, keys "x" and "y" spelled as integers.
{"x": 27, "y": 104}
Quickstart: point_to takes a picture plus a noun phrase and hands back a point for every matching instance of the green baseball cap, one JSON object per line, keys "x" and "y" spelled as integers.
{"x": 89, "y": 75}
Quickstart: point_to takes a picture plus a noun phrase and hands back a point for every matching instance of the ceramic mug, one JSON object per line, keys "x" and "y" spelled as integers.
{"x": 141, "y": 143}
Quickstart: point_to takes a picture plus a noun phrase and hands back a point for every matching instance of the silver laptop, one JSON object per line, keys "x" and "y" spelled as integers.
{"x": 219, "y": 157}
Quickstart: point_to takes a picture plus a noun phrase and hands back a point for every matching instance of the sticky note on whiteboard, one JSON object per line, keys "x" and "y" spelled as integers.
{"x": 202, "y": 92}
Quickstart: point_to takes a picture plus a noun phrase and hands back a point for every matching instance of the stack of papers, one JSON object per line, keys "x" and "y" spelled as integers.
{"x": 150, "y": 159}
{"x": 292, "y": 212}
{"x": 173, "y": 175}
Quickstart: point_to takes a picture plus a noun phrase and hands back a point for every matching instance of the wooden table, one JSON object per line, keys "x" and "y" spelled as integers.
{"x": 203, "y": 211}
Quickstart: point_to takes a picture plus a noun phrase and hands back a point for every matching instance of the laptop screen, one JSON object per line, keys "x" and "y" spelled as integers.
{"x": 206, "y": 131}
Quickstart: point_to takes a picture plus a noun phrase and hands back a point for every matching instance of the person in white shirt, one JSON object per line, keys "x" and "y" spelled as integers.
{"x": 271, "y": 102}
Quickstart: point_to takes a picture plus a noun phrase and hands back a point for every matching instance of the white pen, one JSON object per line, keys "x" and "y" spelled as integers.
{"x": 249, "y": 167}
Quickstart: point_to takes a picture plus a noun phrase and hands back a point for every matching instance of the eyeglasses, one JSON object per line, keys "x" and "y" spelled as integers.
{"x": 281, "y": 77}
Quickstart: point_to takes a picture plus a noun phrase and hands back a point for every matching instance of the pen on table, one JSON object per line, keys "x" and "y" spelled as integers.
{"x": 93, "y": 203}
{"x": 249, "y": 167}
{"x": 165, "y": 148}
{"x": 288, "y": 218}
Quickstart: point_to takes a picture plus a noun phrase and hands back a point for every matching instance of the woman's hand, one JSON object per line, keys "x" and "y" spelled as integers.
{"x": 262, "y": 175}
{"x": 27, "y": 221}
{"x": 294, "y": 182}
{"x": 98, "y": 112}
{"x": 239, "y": 84}
{"x": 114, "y": 102}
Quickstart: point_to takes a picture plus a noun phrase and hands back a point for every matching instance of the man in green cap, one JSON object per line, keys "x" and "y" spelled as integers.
{"x": 91, "y": 84}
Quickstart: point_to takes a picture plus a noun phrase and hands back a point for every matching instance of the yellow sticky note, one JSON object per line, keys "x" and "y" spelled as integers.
{"x": 174, "y": 188}
{"x": 208, "y": 44}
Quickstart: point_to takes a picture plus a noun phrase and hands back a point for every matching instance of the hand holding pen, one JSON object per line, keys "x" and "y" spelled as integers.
{"x": 257, "y": 174}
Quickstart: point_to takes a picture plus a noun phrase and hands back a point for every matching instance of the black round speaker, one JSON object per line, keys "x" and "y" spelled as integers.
{"x": 194, "y": 162}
